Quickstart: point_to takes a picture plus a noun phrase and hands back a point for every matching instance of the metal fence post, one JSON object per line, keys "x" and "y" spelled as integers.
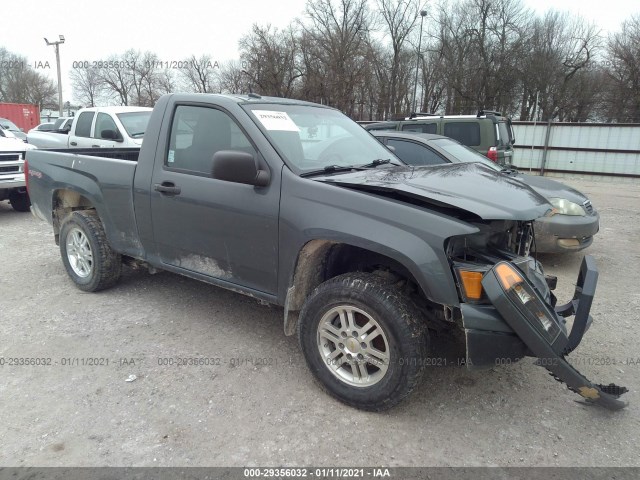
{"x": 546, "y": 146}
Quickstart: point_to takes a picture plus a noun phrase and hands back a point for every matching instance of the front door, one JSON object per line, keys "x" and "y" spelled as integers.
{"x": 223, "y": 230}
{"x": 105, "y": 131}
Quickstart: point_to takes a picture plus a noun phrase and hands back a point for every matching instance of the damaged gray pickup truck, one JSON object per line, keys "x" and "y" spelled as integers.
{"x": 295, "y": 204}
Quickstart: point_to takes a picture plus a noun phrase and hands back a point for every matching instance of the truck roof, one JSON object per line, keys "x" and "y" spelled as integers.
{"x": 116, "y": 109}
{"x": 248, "y": 99}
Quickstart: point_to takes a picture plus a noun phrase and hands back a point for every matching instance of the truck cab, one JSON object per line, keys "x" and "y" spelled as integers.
{"x": 109, "y": 127}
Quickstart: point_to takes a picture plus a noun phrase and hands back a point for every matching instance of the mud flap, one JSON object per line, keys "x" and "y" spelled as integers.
{"x": 540, "y": 328}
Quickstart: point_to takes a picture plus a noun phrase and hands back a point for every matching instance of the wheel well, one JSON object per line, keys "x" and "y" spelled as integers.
{"x": 320, "y": 260}
{"x": 64, "y": 202}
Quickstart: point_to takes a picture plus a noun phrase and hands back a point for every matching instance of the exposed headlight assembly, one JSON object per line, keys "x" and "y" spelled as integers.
{"x": 537, "y": 313}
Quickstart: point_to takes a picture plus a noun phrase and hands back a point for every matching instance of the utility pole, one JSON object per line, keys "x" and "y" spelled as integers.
{"x": 423, "y": 13}
{"x": 57, "y": 45}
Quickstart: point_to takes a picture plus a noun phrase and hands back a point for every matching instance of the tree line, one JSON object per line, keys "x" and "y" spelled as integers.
{"x": 363, "y": 57}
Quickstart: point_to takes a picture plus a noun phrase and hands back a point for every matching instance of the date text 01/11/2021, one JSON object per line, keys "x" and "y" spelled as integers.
{"x": 316, "y": 472}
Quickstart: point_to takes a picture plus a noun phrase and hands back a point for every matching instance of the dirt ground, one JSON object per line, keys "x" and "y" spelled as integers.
{"x": 256, "y": 403}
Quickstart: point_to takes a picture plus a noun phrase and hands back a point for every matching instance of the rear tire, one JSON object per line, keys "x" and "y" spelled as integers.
{"x": 20, "y": 201}
{"x": 364, "y": 340}
{"x": 86, "y": 254}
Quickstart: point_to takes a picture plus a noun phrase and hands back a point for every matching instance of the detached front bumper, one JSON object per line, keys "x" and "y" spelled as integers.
{"x": 535, "y": 328}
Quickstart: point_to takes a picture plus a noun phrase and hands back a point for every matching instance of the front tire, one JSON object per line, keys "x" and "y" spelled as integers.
{"x": 86, "y": 254}
{"x": 364, "y": 340}
{"x": 20, "y": 202}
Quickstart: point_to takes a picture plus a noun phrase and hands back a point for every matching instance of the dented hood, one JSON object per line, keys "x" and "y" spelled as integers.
{"x": 472, "y": 187}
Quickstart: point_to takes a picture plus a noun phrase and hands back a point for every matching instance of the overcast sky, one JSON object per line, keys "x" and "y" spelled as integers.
{"x": 178, "y": 29}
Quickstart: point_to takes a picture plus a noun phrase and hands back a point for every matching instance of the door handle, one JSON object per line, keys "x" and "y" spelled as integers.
{"x": 75, "y": 144}
{"x": 167, "y": 188}
{"x": 95, "y": 146}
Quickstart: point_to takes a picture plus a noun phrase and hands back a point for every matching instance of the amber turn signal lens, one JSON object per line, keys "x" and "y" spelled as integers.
{"x": 472, "y": 283}
{"x": 508, "y": 276}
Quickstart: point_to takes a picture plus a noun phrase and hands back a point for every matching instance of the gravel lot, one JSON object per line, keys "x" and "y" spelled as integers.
{"x": 246, "y": 411}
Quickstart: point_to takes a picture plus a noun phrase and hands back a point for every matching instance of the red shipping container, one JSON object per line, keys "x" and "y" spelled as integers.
{"x": 25, "y": 116}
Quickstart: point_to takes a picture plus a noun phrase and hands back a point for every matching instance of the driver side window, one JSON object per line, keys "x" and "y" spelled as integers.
{"x": 197, "y": 133}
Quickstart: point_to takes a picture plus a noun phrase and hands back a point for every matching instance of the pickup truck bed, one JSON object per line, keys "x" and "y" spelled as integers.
{"x": 114, "y": 166}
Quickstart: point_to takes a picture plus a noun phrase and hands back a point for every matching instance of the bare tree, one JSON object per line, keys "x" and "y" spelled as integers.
{"x": 479, "y": 44}
{"x": 494, "y": 54}
{"x": 149, "y": 78}
{"x": 400, "y": 18}
{"x": 433, "y": 80}
{"x": 200, "y": 75}
{"x": 165, "y": 81}
{"x": 234, "y": 78}
{"x": 377, "y": 76}
{"x": 130, "y": 78}
{"x": 585, "y": 95}
{"x": 116, "y": 79}
{"x": 87, "y": 85}
{"x": 39, "y": 90}
{"x": 454, "y": 46}
{"x": 623, "y": 61}
{"x": 560, "y": 46}
{"x": 334, "y": 51}
{"x": 271, "y": 58}
{"x": 19, "y": 83}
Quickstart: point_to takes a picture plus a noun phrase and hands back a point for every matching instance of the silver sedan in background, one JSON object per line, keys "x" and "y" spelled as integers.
{"x": 573, "y": 221}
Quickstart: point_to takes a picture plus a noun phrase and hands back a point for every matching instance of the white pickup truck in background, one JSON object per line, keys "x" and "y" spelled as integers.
{"x": 98, "y": 127}
{"x": 12, "y": 181}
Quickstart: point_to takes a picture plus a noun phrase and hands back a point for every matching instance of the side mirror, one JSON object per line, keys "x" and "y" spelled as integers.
{"x": 392, "y": 148}
{"x": 238, "y": 167}
{"x": 111, "y": 135}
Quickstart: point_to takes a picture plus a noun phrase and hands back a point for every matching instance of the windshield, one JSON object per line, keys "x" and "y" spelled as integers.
{"x": 314, "y": 138}
{"x": 8, "y": 125}
{"x": 463, "y": 154}
{"x": 135, "y": 123}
